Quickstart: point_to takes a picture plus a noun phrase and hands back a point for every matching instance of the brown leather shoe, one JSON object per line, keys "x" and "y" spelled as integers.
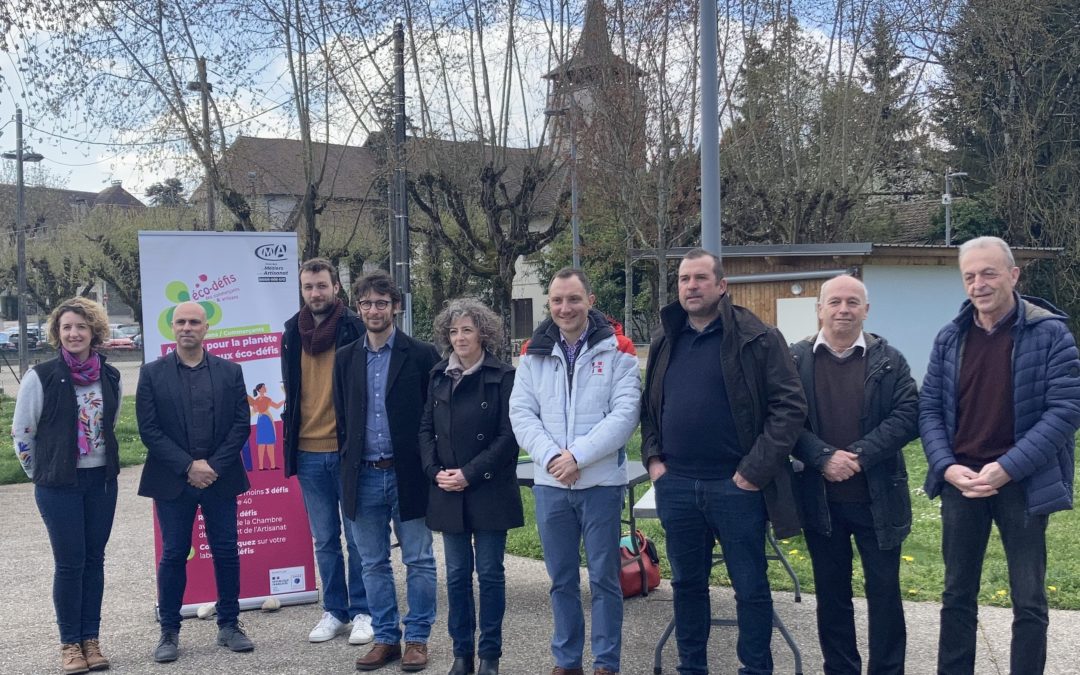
{"x": 380, "y": 655}
{"x": 95, "y": 660}
{"x": 415, "y": 657}
{"x": 603, "y": 671}
{"x": 567, "y": 671}
{"x": 72, "y": 659}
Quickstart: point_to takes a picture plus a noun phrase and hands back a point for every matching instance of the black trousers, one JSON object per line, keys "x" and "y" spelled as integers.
{"x": 832, "y": 559}
{"x": 965, "y": 530}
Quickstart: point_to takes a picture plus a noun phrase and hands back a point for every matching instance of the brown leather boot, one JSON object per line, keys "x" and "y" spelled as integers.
{"x": 95, "y": 660}
{"x": 72, "y": 659}
{"x": 380, "y": 655}
{"x": 604, "y": 671}
{"x": 567, "y": 671}
{"x": 415, "y": 657}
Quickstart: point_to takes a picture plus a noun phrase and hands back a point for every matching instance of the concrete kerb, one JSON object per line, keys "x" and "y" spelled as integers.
{"x": 129, "y": 631}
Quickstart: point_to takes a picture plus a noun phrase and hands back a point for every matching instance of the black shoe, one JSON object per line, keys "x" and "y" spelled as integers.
{"x": 463, "y": 665}
{"x": 232, "y": 636}
{"x": 488, "y": 667}
{"x": 168, "y": 647}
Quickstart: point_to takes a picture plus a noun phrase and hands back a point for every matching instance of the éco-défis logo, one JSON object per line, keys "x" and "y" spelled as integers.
{"x": 178, "y": 292}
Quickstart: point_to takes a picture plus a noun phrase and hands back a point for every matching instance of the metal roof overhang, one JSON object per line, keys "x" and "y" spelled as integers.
{"x": 764, "y": 251}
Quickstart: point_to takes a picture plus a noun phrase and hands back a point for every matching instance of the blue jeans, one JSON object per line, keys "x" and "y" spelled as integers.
{"x": 695, "y": 514}
{"x": 565, "y": 518}
{"x": 79, "y": 520}
{"x": 484, "y": 549}
{"x": 176, "y": 518}
{"x": 319, "y": 474}
{"x": 376, "y": 508}
{"x": 832, "y": 559}
{"x": 965, "y": 529}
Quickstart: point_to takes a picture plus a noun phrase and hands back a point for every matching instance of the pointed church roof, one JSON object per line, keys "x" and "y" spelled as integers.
{"x": 593, "y": 51}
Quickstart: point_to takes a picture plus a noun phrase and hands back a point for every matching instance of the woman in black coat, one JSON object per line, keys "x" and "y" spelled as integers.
{"x": 470, "y": 455}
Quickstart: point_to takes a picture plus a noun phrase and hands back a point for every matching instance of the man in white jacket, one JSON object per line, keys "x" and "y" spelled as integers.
{"x": 574, "y": 405}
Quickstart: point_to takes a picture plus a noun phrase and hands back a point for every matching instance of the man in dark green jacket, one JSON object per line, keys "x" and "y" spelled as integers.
{"x": 721, "y": 410}
{"x": 863, "y": 407}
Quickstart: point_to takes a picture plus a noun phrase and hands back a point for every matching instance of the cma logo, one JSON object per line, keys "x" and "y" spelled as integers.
{"x": 270, "y": 252}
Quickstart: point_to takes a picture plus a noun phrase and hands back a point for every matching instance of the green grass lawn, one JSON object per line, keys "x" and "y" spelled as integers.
{"x": 127, "y": 434}
{"x": 922, "y": 571}
{"x": 921, "y": 575}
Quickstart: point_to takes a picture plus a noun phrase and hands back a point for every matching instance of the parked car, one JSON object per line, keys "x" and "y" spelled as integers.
{"x": 119, "y": 341}
{"x": 128, "y": 329}
{"x": 34, "y": 338}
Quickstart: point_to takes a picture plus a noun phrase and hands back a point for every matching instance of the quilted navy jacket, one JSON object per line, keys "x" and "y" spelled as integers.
{"x": 1046, "y": 401}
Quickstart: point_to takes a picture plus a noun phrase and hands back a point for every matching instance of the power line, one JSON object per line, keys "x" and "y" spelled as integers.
{"x": 100, "y": 143}
{"x": 100, "y": 161}
{"x": 153, "y": 143}
{"x": 105, "y": 143}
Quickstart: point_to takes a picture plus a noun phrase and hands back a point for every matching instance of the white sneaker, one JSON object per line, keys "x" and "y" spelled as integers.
{"x": 328, "y": 628}
{"x": 361, "y": 630}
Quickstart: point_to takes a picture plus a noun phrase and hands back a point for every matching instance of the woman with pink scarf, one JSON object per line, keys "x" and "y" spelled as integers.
{"x": 63, "y": 429}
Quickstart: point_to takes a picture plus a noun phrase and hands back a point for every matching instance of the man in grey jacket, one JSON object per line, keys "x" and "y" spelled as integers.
{"x": 573, "y": 407}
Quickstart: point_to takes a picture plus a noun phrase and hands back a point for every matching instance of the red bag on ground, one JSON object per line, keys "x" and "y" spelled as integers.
{"x": 640, "y": 572}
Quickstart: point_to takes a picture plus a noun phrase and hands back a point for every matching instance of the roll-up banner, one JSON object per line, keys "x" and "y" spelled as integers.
{"x": 247, "y": 282}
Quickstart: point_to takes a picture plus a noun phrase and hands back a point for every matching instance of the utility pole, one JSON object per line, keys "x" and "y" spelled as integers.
{"x": 575, "y": 225}
{"x": 401, "y": 272}
{"x": 204, "y": 89}
{"x": 20, "y": 234}
{"x": 20, "y": 226}
{"x": 710, "y": 131}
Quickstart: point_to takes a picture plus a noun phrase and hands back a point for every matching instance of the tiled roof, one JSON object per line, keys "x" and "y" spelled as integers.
{"x": 274, "y": 166}
{"x": 910, "y": 221}
{"x": 46, "y": 207}
{"x": 116, "y": 195}
{"x": 463, "y": 160}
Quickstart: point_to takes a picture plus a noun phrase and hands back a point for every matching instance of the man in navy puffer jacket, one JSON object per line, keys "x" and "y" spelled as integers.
{"x": 999, "y": 410}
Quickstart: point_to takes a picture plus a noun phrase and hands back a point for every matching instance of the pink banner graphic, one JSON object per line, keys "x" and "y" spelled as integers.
{"x": 271, "y": 528}
{"x": 246, "y": 348}
{"x": 246, "y": 283}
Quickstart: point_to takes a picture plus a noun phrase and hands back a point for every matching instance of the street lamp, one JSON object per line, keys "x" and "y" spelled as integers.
{"x": 946, "y": 199}
{"x": 574, "y": 226}
{"x": 21, "y": 157}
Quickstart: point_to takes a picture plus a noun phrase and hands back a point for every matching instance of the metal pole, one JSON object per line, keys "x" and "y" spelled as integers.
{"x": 948, "y": 208}
{"x": 628, "y": 293}
{"x": 204, "y": 92}
{"x": 575, "y": 227}
{"x": 20, "y": 227}
{"x": 401, "y": 219}
{"x": 710, "y": 131}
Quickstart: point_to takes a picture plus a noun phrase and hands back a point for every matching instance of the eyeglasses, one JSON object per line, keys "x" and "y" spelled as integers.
{"x": 377, "y": 304}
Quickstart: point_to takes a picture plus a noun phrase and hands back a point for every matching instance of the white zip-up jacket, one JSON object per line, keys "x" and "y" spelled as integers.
{"x": 593, "y": 419}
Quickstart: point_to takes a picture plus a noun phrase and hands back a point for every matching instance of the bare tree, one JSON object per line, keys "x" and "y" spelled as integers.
{"x": 126, "y": 66}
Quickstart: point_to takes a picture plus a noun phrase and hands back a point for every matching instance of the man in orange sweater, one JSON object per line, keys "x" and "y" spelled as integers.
{"x": 312, "y": 337}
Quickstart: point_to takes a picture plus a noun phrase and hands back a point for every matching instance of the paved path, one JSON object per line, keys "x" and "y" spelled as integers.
{"x": 28, "y": 637}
